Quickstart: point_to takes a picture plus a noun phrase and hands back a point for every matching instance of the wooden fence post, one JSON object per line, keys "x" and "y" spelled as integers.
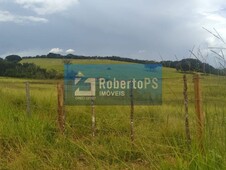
{"x": 93, "y": 117}
{"x": 61, "y": 113}
{"x": 131, "y": 113}
{"x": 187, "y": 129}
{"x": 199, "y": 112}
{"x": 28, "y": 98}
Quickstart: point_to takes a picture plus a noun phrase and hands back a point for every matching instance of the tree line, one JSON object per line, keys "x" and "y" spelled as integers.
{"x": 72, "y": 56}
{"x": 193, "y": 65}
{"x": 10, "y": 67}
{"x": 184, "y": 65}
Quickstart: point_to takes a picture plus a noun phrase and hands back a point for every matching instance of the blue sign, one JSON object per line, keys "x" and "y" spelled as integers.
{"x": 113, "y": 84}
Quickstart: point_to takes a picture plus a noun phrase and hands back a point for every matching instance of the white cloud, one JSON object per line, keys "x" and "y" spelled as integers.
{"x": 70, "y": 51}
{"x": 216, "y": 18}
{"x": 141, "y": 51}
{"x": 34, "y": 19}
{"x": 43, "y": 7}
{"x": 214, "y": 22}
{"x": 6, "y": 16}
{"x": 166, "y": 27}
{"x": 56, "y": 51}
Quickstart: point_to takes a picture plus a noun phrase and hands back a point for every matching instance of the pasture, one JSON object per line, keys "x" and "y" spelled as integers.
{"x": 34, "y": 142}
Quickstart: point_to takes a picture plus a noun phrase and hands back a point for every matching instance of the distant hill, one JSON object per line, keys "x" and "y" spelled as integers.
{"x": 58, "y": 64}
{"x": 72, "y": 56}
{"x": 51, "y": 65}
{"x": 192, "y": 65}
{"x": 184, "y": 65}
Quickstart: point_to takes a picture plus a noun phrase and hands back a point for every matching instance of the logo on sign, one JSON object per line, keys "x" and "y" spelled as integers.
{"x": 91, "y": 82}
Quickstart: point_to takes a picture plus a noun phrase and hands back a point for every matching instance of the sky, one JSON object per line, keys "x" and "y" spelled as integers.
{"x": 141, "y": 29}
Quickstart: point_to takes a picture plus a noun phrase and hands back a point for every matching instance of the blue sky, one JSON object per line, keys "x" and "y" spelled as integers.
{"x": 143, "y": 29}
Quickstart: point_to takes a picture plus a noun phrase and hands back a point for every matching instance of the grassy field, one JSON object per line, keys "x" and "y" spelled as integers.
{"x": 34, "y": 142}
{"x": 58, "y": 65}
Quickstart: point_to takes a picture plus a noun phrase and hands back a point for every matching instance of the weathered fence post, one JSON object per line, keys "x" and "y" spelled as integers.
{"x": 131, "y": 113}
{"x": 93, "y": 117}
{"x": 28, "y": 97}
{"x": 199, "y": 112}
{"x": 61, "y": 112}
{"x": 187, "y": 129}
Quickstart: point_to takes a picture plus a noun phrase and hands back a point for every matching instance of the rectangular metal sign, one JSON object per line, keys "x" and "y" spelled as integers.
{"x": 113, "y": 84}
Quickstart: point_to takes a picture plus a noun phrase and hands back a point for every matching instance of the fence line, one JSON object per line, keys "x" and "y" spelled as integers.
{"x": 199, "y": 112}
{"x": 174, "y": 98}
{"x": 28, "y": 99}
{"x": 61, "y": 111}
{"x": 187, "y": 128}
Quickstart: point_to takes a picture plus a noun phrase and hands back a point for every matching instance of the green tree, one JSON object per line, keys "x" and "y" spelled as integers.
{"x": 13, "y": 58}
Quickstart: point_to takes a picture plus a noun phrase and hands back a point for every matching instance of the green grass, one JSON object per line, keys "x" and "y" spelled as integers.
{"x": 36, "y": 143}
{"x": 58, "y": 65}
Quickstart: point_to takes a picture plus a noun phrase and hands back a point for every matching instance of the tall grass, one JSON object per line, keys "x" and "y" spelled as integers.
{"x": 35, "y": 142}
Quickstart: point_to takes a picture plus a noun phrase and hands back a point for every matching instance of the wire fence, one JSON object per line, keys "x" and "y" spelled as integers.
{"x": 39, "y": 99}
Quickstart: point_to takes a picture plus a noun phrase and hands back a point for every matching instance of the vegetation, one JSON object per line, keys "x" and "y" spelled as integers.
{"x": 13, "y": 58}
{"x": 72, "y": 56}
{"x": 35, "y": 142}
{"x": 192, "y": 65}
{"x": 184, "y": 65}
{"x": 51, "y": 66}
{"x": 11, "y": 68}
{"x": 58, "y": 64}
